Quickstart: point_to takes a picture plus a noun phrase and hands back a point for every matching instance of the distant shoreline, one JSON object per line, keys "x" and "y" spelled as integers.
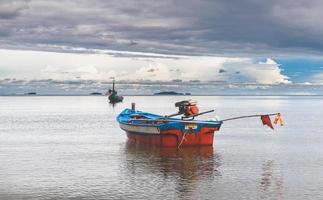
{"x": 241, "y": 95}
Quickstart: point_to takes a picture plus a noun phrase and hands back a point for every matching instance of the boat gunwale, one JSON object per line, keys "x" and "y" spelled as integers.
{"x": 126, "y": 120}
{"x": 131, "y": 124}
{"x": 198, "y": 122}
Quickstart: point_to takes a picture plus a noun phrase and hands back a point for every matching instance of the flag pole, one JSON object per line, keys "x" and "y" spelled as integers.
{"x": 246, "y": 116}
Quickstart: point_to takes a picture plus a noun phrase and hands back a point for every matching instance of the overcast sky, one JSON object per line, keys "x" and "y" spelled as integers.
{"x": 169, "y": 26}
{"x": 225, "y": 41}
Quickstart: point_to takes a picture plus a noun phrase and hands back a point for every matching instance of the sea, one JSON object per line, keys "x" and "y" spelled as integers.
{"x": 71, "y": 147}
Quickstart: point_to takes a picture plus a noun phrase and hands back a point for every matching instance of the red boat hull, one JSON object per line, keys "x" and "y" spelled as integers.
{"x": 175, "y": 137}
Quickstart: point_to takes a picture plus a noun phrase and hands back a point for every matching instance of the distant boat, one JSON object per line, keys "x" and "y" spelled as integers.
{"x": 113, "y": 95}
{"x": 31, "y": 93}
{"x": 169, "y": 93}
{"x": 96, "y": 93}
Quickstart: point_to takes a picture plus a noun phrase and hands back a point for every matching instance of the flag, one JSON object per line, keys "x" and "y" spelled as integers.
{"x": 279, "y": 118}
{"x": 281, "y": 122}
{"x": 266, "y": 121}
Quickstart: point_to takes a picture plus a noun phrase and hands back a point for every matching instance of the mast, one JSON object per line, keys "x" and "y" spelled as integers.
{"x": 113, "y": 85}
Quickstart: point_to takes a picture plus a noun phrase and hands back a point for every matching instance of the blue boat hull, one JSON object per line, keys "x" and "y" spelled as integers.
{"x": 147, "y": 128}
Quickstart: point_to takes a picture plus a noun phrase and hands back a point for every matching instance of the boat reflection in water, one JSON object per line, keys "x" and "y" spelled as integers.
{"x": 185, "y": 169}
{"x": 271, "y": 183}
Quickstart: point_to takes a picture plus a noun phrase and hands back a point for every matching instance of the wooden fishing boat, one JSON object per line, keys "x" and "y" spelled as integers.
{"x": 147, "y": 128}
{"x": 167, "y": 131}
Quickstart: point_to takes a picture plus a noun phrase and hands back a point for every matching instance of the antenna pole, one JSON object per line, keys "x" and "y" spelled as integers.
{"x": 113, "y": 85}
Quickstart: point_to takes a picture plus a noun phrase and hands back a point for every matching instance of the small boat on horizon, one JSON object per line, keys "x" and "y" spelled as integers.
{"x": 171, "y": 93}
{"x": 30, "y": 94}
{"x": 95, "y": 93}
{"x": 113, "y": 95}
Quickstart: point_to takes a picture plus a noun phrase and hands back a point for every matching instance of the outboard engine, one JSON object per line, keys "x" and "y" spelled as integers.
{"x": 187, "y": 108}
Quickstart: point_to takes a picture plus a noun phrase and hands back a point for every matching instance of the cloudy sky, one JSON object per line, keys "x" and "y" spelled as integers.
{"x": 203, "y": 47}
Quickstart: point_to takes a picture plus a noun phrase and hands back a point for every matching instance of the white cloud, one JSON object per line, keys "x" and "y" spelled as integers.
{"x": 154, "y": 71}
{"x": 267, "y": 73}
{"x": 71, "y": 66}
{"x": 306, "y": 83}
{"x": 249, "y": 71}
{"x": 269, "y": 61}
{"x": 318, "y": 79}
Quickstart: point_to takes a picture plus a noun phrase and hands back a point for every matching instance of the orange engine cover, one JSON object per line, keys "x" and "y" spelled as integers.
{"x": 192, "y": 110}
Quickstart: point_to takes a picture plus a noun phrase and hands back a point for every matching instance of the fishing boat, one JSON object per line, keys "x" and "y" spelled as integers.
{"x": 167, "y": 131}
{"x": 113, "y": 95}
{"x": 148, "y": 128}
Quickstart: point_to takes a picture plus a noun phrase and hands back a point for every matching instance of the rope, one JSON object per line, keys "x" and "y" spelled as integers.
{"x": 182, "y": 140}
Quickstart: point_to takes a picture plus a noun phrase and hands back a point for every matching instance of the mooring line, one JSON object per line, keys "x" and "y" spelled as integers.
{"x": 181, "y": 140}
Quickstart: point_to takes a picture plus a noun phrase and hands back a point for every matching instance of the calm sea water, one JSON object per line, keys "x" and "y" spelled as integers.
{"x": 72, "y": 148}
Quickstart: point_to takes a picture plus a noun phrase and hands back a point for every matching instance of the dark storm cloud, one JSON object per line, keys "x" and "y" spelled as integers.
{"x": 170, "y": 26}
{"x": 11, "y": 9}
